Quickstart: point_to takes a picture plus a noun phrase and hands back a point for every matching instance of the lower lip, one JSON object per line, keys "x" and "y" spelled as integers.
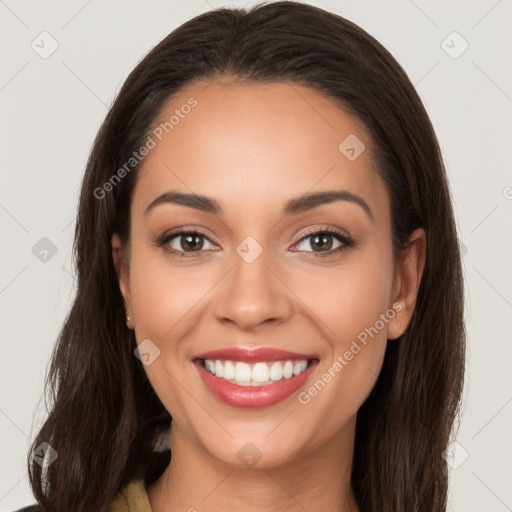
{"x": 253, "y": 396}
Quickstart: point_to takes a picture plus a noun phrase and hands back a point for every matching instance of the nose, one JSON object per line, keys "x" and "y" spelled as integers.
{"x": 252, "y": 295}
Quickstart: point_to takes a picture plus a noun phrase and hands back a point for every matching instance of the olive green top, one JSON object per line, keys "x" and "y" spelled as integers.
{"x": 133, "y": 498}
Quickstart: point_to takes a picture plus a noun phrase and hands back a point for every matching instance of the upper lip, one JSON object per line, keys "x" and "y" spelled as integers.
{"x": 253, "y": 354}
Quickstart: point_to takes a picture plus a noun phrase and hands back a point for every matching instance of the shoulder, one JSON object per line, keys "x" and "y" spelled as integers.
{"x": 132, "y": 498}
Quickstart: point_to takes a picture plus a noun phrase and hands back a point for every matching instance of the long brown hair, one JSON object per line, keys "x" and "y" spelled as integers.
{"x": 105, "y": 419}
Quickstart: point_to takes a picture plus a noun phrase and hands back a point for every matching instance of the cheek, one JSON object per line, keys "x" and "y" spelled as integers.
{"x": 352, "y": 308}
{"x": 164, "y": 294}
{"x": 165, "y": 303}
{"x": 348, "y": 298}
{"x": 361, "y": 325}
{"x": 168, "y": 302}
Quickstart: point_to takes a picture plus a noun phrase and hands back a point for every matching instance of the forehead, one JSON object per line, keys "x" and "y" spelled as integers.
{"x": 252, "y": 146}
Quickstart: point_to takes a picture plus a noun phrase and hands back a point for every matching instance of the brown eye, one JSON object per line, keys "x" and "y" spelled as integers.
{"x": 191, "y": 242}
{"x": 187, "y": 241}
{"x": 324, "y": 241}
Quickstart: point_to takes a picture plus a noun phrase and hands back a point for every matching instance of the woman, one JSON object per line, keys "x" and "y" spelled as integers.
{"x": 267, "y": 256}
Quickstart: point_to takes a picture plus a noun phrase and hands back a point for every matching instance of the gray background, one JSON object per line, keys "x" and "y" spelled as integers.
{"x": 52, "y": 107}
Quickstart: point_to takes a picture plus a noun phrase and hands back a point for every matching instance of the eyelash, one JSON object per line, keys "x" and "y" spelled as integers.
{"x": 346, "y": 242}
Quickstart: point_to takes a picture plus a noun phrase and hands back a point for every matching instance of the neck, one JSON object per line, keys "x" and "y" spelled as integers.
{"x": 317, "y": 480}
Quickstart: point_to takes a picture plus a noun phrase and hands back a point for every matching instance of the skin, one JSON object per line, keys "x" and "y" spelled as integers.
{"x": 252, "y": 148}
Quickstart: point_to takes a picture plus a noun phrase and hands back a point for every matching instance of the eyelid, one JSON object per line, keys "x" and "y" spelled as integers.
{"x": 188, "y": 229}
{"x": 326, "y": 229}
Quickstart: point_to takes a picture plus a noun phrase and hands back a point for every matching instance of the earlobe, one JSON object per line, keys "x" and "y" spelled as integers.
{"x": 407, "y": 281}
{"x": 396, "y": 327}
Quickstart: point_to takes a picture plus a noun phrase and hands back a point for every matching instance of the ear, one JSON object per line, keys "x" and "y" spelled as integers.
{"x": 407, "y": 281}
{"x": 120, "y": 257}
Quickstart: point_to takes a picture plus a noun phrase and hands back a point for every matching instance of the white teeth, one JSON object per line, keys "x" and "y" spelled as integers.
{"x": 260, "y": 372}
{"x": 276, "y": 371}
{"x": 229, "y": 370}
{"x": 299, "y": 367}
{"x": 288, "y": 370}
{"x": 254, "y": 374}
{"x": 242, "y": 372}
{"x": 219, "y": 369}
{"x": 210, "y": 366}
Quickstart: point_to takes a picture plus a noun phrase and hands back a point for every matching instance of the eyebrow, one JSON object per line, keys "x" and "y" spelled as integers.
{"x": 293, "y": 206}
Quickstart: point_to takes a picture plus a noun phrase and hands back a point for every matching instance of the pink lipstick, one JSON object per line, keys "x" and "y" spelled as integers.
{"x": 251, "y": 378}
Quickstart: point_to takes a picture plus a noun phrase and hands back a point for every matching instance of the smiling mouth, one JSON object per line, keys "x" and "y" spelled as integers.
{"x": 254, "y": 377}
{"x": 259, "y": 373}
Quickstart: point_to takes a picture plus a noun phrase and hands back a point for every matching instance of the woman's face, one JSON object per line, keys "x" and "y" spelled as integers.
{"x": 262, "y": 273}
